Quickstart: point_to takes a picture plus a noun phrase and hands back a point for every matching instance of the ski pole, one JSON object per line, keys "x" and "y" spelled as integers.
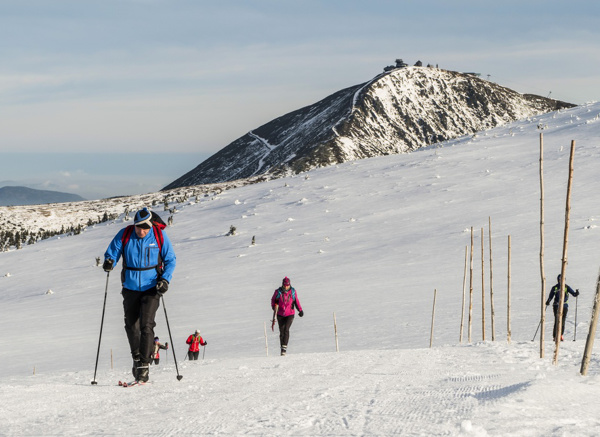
{"x": 540, "y": 324}
{"x": 575, "y": 335}
{"x": 162, "y": 298}
{"x": 203, "y": 351}
{"x": 101, "y": 325}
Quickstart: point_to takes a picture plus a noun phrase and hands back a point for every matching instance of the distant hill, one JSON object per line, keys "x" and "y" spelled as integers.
{"x": 13, "y": 196}
{"x": 398, "y": 111}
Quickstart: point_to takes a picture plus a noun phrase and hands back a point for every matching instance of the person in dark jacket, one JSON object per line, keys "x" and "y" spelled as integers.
{"x": 554, "y": 293}
{"x": 148, "y": 264}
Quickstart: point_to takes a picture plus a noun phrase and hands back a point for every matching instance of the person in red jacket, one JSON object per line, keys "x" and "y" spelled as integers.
{"x": 156, "y": 354}
{"x": 195, "y": 341}
{"x": 283, "y": 302}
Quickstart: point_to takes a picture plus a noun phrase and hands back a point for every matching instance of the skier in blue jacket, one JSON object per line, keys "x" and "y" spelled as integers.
{"x": 148, "y": 264}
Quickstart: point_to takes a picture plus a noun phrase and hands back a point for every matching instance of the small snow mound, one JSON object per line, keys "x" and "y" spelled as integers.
{"x": 49, "y": 292}
{"x": 8, "y": 275}
{"x": 290, "y": 219}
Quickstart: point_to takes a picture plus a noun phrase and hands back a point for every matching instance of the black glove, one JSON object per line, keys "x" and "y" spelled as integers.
{"x": 577, "y": 292}
{"x": 108, "y": 265}
{"x": 301, "y": 313}
{"x": 162, "y": 286}
{"x": 167, "y": 345}
{"x": 205, "y": 343}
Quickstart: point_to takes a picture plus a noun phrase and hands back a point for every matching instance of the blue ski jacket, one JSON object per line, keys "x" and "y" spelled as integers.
{"x": 141, "y": 255}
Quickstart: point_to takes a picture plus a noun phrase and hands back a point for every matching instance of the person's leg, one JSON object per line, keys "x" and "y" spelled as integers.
{"x": 131, "y": 310}
{"x": 150, "y": 301}
{"x": 190, "y": 355}
{"x": 196, "y": 354}
{"x": 284, "y": 331}
{"x": 564, "y": 319}
{"x": 555, "y": 309}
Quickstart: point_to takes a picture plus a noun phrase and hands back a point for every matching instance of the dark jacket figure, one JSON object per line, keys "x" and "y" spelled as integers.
{"x": 148, "y": 264}
{"x": 285, "y": 299}
{"x": 157, "y": 347}
{"x": 195, "y": 341}
{"x": 554, "y": 293}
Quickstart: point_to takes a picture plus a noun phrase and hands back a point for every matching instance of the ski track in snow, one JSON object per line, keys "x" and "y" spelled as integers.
{"x": 393, "y": 392}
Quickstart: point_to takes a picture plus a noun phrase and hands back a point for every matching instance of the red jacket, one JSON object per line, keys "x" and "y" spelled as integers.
{"x": 195, "y": 343}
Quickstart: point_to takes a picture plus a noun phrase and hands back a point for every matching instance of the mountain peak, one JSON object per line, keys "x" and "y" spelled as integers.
{"x": 398, "y": 111}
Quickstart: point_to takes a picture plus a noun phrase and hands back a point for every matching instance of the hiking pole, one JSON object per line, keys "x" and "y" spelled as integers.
{"x": 204, "y": 347}
{"x": 540, "y": 324}
{"x": 536, "y": 331}
{"x": 101, "y": 325}
{"x": 162, "y": 298}
{"x": 576, "y": 300}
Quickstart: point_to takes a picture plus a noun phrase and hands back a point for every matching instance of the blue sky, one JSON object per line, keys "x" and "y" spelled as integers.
{"x": 190, "y": 76}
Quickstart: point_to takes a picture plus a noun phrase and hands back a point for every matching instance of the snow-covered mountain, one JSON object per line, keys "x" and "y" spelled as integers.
{"x": 398, "y": 111}
{"x": 369, "y": 241}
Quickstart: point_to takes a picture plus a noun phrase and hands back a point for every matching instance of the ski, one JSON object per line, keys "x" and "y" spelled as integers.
{"x": 131, "y": 384}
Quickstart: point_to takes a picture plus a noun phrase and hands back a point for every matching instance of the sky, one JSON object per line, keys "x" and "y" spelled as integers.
{"x": 376, "y": 246}
{"x": 156, "y": 76}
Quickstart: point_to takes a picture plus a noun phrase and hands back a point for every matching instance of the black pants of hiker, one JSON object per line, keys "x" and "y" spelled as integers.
{"x": 193, "y": 355}
{"x": 154, "y": 360}
{"x": 140, "y": 310}
{"x": 284, "y": 329}
{"x": 564, "y": 318}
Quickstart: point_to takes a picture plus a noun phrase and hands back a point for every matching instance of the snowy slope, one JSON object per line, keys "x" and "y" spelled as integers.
{"x": 369, "y": 241}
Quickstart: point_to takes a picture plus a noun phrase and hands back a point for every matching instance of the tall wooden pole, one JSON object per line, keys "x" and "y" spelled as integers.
{"x": 482, "y": 290}
{"x": 542, "y": 273}
{"x": 337, "y": 346}
{"x": 266, "y": 340}
{"x": 462, "y": 316}
{"x": 432, "y": 318}
{"x": 563, "y": 269}
{"x": 508, "y": 333}
{"x": 493, "y": 313}
{"x": 471, "y": 288}
{"x": 589, "y": 344}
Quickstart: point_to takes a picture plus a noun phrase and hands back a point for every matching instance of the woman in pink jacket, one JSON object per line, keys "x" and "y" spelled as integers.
{"x": 283, "y": 301}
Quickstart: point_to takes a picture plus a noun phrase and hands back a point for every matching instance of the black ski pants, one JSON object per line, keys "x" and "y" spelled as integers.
{"x": 140, "y": 310}
{"x": 193, "y": 355}
{"x": 564, "y": 318}
{"x": 284, "y": 328}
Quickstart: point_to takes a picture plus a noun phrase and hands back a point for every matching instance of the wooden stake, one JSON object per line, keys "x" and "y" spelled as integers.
{"x": 462, "y": 316}
{"x": 482, "y": 290}
{"x": 266, "y": 339}
{"x": 542, "y": 273}
{"x": 564, "y": 257}
{"x": 337, "y": 349}
{"x": 493, "y": 313}
{"x": 432, "y": 318}
{"x": 589, "y": 343}
{"x": 471, "y": 288}
{"x": 508, "y": 333}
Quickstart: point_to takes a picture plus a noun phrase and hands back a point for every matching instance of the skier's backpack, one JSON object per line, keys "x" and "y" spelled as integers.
{"x": 279, "y": 291}
{"x": 157, "y": 226}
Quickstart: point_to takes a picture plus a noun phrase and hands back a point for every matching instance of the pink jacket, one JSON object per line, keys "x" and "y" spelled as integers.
{"x": 286, "y": 301}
